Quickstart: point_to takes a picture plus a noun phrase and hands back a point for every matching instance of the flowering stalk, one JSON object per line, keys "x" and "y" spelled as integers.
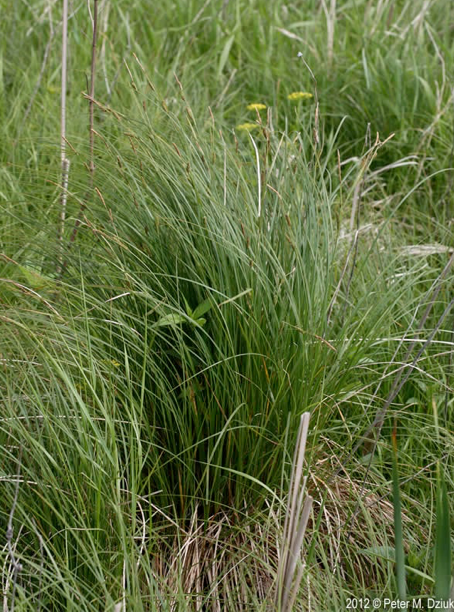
{"x": 64, "y": 159}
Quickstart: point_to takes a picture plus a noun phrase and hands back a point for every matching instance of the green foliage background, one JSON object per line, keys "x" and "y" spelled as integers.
{"x": 153, "y": 390}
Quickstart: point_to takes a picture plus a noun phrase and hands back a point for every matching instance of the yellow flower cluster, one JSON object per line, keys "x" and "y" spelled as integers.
{"x": 299, "y": 95}
{"x": 257, "y": 106}
{"x": 247, "y": 127}
{"x": 114, "y": 362}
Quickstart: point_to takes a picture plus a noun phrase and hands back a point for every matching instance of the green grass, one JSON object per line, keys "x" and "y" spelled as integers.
{"x": 150, "y": 397}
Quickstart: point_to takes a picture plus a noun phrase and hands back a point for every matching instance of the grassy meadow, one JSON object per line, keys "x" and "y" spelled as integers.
{"x": 258, "y": 224}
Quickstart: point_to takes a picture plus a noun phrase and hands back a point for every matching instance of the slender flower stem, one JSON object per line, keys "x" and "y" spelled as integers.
{"x": 64, "y": 160}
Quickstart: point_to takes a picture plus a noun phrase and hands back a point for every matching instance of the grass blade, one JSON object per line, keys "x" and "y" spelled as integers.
{"x": 400, "y": 556}
{"x": 443, "y": 541}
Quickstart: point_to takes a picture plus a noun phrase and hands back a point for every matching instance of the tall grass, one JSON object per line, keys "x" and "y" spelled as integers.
{"x": 218, "y": 287}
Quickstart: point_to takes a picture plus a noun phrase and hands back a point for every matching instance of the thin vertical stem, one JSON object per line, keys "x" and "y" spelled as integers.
{"x": 92, "y": 90}
{"x": 64, "y": 56}
{"x": 64, "y": 160}
{"x": 16, "y": 565}
{"x": 259, "y": 178}
{"x": 91, "y": 107}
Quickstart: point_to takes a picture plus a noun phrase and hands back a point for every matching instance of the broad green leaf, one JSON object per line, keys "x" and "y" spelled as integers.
{"x": 202, "y": 308}
{"x": 201, "y": 321}
{"x": 188, "y": 308}
{"x": 170, "y": 320}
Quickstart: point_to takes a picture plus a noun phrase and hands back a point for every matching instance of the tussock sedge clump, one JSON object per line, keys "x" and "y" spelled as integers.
{"x": 226, "y": 369}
